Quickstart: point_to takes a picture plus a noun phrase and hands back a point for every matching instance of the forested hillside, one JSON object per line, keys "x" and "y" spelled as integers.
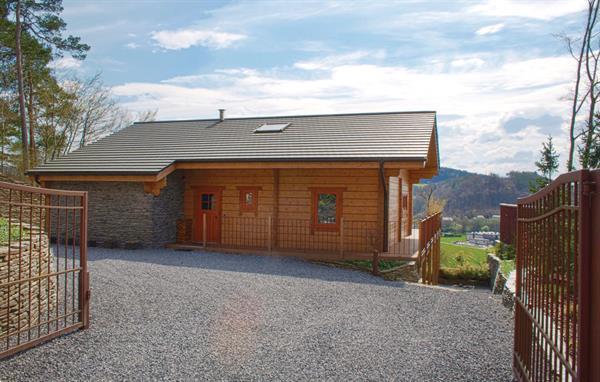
{"x": 469, "y": 194}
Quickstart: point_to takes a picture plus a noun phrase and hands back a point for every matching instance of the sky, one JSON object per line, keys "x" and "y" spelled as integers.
{"x": 496, "y": 71}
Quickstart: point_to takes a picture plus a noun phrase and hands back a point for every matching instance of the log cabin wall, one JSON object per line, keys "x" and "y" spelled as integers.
{"x": 292, "y": 208}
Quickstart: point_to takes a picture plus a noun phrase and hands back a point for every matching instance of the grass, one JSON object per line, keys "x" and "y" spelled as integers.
{"x": 454, "y": 255}
{"x": 368, "y": 264}
{"x": 507, "y": 266}
{"x": 452, "y": 239}
{"x": 14, "y": 232}
{"x": 463, "y": 263}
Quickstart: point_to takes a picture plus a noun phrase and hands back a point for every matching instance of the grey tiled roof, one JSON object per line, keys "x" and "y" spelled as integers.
{"x": 147, "y": 148}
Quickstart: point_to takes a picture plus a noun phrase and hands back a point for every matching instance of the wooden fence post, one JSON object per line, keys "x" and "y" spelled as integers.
{"x": 204, "y": 230}
{"x": 342, "y": 237}
{"x": 376, "y": 262}
{"x": 270, "y": 233}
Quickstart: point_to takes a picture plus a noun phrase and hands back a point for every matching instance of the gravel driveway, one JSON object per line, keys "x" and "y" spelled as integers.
{"x": 169, "y": 315}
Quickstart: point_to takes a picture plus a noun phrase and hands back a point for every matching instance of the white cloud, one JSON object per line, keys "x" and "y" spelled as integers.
{"x": 490, "y": 29}
{"x": 132, "y": 45}
{"x": 536, "y": 9}
{"x": 186, "y": 38}
{"x": 481, "y": 98}
{"x": 339, "y": 59}
{"x": 65, "y": 63}
{"x": 469, "y": 63}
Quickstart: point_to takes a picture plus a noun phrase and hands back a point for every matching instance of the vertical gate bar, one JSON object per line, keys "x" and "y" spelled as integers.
{"x": 73, "y": 264}
{"x": 41, "y": 212}
{"x": 536, "y": 301}
{"x": 545, "y": 270}
{"x": 30, "y": 208}
{"x": 518, "y": 265}
{"x": 8, "y": 265}
{"x": 584, "y": 278}
{"x": 576, "y": 281}
{"x": 66, "y": 258}
{"x": 570, "y": 251}
{"x": 58, "y": 231}
{"x": 49, "y": 262}
{"x": 20, "y": 274}
{"x": 84, "y": 298}
{"x": 564, "y": 254}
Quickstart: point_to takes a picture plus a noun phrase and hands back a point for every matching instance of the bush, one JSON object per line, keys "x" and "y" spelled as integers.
{"x": 504, "y": 251}
{"x": 467, "y": 273}
{"x": 14, "y": 232}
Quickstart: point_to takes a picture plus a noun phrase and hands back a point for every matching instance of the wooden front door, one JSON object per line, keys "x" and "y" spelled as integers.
{"x": 208, "y": 203}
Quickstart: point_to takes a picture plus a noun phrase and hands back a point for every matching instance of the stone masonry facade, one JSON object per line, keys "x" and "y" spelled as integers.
{"x": 121, "y": 214}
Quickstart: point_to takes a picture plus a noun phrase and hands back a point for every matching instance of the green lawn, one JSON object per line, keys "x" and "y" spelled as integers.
{"x": 507, "y": 266}
{"x": 452, "y": 239}
{"x": 453, "y": 255}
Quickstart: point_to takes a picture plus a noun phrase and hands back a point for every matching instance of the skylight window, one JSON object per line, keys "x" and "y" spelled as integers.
{"x": 272, "y": 128}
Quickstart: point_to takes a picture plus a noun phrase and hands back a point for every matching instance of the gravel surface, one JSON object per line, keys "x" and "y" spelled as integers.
{"x": 170, "y": 315}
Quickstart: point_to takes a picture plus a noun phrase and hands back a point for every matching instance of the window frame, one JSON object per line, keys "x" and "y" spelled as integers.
{"x": 244, "y": 207}
{"x": 339, "y": 208}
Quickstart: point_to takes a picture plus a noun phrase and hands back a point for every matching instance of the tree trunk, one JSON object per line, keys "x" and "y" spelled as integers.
{"x": 32, "y": 146}
{"x": 22, "y": 113}
{"x": 572, "y": 138}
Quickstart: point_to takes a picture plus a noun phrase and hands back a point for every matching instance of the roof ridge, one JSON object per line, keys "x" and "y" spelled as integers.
{"x": 292, "y": 116}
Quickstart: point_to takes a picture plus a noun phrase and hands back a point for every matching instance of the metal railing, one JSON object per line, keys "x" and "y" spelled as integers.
{"x": 43, "y": 265}
{"x": 347, "y": 239}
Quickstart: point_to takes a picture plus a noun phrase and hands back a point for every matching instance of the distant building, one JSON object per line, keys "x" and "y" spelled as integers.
{"x": 482, "y": 238}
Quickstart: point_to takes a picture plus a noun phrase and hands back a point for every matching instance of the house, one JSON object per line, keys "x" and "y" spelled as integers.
{"x": 315, "y": 183}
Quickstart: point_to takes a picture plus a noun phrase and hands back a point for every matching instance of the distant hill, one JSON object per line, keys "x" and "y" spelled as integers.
{"x": 469, "y": 194}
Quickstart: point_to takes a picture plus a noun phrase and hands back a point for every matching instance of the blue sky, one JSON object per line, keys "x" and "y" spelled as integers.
{"x": 494, "y": 70}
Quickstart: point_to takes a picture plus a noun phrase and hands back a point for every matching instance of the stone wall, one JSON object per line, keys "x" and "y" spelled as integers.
{"x": 18, "y": 309}
{"x": 498, "y": 281}
{"x": 121, "y": 214}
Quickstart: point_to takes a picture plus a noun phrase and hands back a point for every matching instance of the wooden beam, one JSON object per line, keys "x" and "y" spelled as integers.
{"x": 296, "y": 165}
{"x": 392, "y": 165}
{"x": 155, "y": 187}
{"x": 98, "y": 178}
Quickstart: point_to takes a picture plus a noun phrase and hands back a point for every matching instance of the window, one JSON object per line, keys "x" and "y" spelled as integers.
{"x": 272, "y": 128}
{"x": 208, "y": 201}
{"x": 327, "y": 209}
{"x": 249, "y": 199}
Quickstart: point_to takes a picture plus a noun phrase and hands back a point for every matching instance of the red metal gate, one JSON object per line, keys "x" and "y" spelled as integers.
{"x": 44, "y": 280}
{"x": 553, "y": 308}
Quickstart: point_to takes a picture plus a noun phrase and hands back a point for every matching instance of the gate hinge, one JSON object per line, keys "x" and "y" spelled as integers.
{"x": 589, "y": 188}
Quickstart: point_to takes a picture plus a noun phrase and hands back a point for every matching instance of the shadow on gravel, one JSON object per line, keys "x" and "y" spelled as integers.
{"x": 271, "y": 265}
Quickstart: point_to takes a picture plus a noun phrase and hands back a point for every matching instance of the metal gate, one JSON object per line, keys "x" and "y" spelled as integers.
{"x": 552, "y": 303}
{"x": 44, "y": 280}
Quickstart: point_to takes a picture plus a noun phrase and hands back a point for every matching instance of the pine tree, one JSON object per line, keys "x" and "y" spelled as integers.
{"x": 38, "y": 20}
{"x": 547, "y": 165}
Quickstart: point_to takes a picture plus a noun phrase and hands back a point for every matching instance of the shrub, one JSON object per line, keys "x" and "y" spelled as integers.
{"x": 504, "y": 251}
{"x": 14, "y": 232}
{"x": 470, "y": 273}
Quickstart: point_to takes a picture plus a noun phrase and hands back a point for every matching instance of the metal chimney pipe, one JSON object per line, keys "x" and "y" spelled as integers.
{"x": 221, "y": 115}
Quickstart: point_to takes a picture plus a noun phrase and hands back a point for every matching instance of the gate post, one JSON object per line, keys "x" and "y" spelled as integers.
{"x": 84, "y": 276}
{"x": 594, "y": 276}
